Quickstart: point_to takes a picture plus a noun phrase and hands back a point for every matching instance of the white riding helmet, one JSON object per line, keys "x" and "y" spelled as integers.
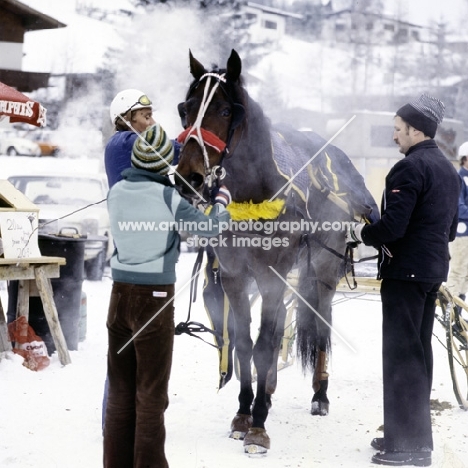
{"x": 129, "y": 99}
{"x": 463, "y": 150}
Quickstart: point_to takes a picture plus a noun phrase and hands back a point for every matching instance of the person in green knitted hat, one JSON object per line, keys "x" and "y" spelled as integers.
{"x": 143, "y": 208}
{"x": 153, "y": 151}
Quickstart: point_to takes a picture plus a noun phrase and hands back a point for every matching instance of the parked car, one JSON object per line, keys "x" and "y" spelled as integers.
{"x": 13, "y": 145}
{"x": 73, "y": 204}
{"x": 46, "y": 141}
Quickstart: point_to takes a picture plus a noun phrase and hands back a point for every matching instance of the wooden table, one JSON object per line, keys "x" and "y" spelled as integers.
{"x": 33, "y": 275}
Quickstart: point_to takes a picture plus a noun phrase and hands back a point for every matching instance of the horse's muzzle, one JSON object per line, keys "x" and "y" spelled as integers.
{"x": 190, "y": 186}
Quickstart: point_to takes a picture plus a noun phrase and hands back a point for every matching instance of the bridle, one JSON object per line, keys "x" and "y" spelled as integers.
{"x": 206, "y": 138}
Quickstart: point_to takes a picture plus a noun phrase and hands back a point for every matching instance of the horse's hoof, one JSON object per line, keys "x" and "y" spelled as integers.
{"x": 320, "y": 402}
{"x": 240, "y": 425}
{"x": 319, "y": 408}
{"x": 256, "y": 442}
{"x": 237, "y": 435}
{"x": 255, "y": 451}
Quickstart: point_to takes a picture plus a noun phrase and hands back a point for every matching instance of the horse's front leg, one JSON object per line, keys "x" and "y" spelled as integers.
{"x": 236, "y": 290}
{"x": 265, "y": 354}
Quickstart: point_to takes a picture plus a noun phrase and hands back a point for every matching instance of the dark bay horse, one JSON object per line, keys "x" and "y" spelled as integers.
{"x": 228, "y": 140}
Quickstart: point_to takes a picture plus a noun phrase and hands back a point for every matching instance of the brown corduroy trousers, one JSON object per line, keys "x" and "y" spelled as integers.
{"x": 134, "y": 433}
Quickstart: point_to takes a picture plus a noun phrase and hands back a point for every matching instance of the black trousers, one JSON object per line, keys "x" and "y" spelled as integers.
{"x": 134, "y": 432}
{"x": 408, "y": 318}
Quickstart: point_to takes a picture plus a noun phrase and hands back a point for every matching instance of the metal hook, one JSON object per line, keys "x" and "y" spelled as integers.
{"x": 219, "y": 172}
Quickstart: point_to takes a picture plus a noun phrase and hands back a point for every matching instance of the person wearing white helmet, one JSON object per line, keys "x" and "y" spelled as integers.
{"x": 131, "y": 113}
{"x": 457, "y": 281}
{"x": 122, "y": 106}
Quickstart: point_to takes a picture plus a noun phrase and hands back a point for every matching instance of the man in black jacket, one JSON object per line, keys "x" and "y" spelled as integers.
{"x": 419, "y": 219}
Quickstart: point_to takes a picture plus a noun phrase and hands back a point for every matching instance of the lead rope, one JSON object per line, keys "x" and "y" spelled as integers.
{"x": 189, "y": 327}
{"x": 349, "y": 261}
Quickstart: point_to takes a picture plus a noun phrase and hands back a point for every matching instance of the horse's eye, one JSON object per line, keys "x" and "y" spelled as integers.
{"x": 226, "y": 112}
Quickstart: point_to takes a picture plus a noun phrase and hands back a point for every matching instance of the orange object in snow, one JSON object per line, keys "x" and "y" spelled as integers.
{"x": 28, "y": 344}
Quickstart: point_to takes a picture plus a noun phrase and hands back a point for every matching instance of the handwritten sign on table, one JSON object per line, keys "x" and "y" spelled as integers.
{"x": 18, "y": 232}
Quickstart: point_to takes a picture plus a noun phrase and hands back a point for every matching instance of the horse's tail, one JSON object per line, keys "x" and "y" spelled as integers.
{"x": 312, "y": 329}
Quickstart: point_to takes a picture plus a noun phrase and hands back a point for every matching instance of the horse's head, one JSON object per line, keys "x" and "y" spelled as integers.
{"x": 212, "y": 113}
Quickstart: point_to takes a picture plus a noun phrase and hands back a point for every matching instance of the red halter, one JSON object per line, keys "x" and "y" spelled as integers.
{"x": 209, "y": 138}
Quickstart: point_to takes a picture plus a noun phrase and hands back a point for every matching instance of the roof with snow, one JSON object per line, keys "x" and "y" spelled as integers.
{"x": 32, "y": 19}
{"x": 275, "y": 11}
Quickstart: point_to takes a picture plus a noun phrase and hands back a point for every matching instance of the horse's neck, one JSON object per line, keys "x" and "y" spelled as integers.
{"x": 251, "y": 167}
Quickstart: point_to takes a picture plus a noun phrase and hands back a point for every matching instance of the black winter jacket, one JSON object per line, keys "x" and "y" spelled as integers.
{"x": 419, "y": 216}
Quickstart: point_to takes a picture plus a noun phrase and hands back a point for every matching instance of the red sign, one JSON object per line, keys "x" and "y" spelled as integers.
{"x": 19, "y": 108}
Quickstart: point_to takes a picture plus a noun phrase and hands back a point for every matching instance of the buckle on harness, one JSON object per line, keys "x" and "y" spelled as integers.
{"x": 218, "y": 172}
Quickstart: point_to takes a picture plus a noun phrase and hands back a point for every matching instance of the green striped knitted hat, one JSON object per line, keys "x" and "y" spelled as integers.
{"x": 153, "y": 150}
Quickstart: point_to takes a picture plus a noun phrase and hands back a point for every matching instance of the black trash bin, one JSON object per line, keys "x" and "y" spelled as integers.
{"x": 67, "y": 290}
{"x": 94, "y": 267}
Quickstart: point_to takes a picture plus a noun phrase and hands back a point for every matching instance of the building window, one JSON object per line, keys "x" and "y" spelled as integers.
{"x": 401, "y": 35}
{"x": 269, "y": 24}
{"x": 389, "y": 27}
{"x": 339, "y": 27}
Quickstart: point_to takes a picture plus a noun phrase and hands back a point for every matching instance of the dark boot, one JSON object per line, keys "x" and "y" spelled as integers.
{"x": 402, "y": 458}
{"x": 378, "y": 443}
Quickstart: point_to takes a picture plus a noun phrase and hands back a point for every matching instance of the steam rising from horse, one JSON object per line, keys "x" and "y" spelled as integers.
{"x": 227, "y": 135}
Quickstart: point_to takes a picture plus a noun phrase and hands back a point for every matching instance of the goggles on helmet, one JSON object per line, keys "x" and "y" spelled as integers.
{"x": 143, "y": 101}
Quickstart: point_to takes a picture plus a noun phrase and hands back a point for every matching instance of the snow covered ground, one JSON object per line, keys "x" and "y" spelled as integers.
{"x": 52, "y": 418}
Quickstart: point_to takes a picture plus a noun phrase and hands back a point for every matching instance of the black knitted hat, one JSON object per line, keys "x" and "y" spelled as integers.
{"x": 424, "y": 114}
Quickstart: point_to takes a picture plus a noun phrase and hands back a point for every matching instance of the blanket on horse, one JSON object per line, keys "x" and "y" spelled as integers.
{"x": 306, "y": 160}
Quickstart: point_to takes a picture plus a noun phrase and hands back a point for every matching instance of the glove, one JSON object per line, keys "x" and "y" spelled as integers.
{"x": 223, "y": 196}
{"x": 353, "y": 234}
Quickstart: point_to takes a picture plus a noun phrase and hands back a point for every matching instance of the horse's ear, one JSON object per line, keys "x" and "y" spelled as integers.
{"x": 196, "y": 68}
{"x": 234, "y": 66}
